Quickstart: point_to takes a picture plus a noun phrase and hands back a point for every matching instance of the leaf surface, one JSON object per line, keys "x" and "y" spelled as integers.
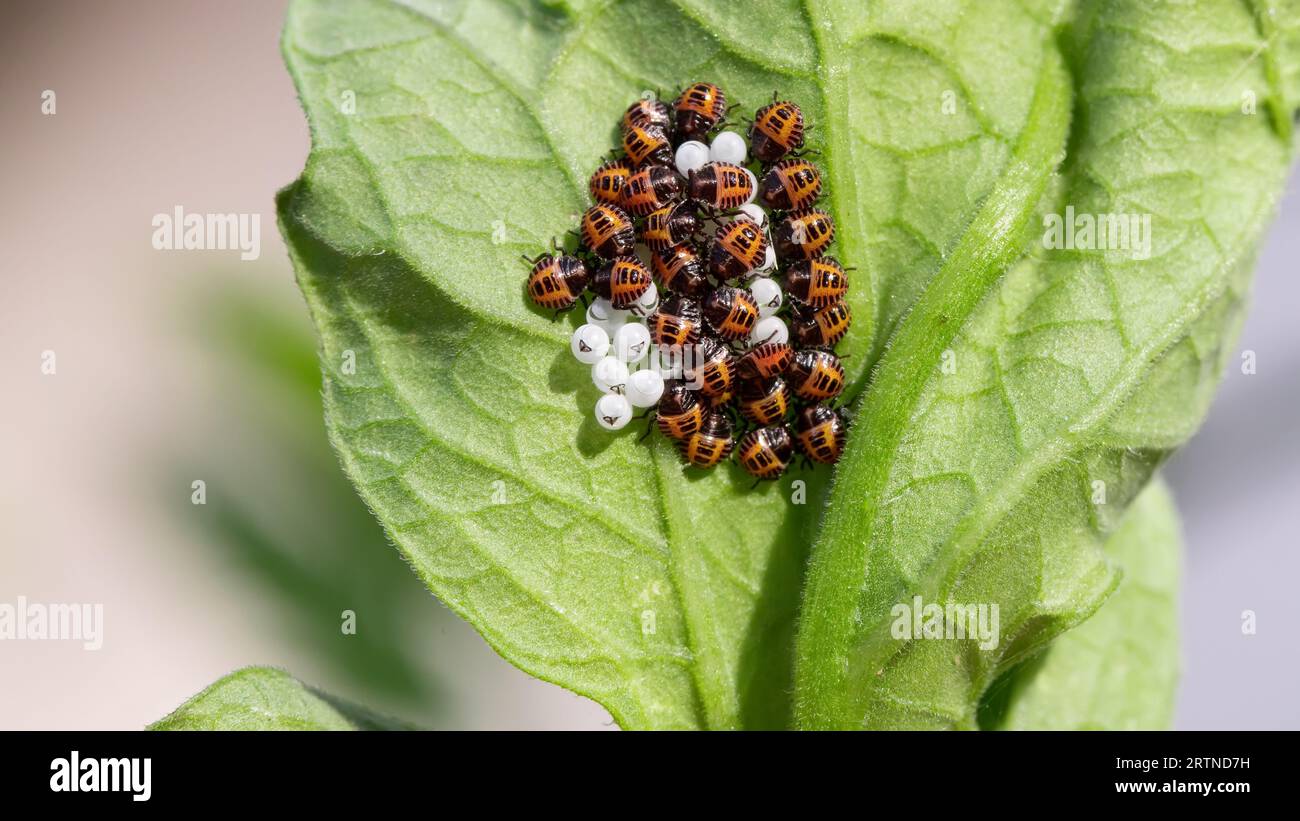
{"x": 1013, "y": 417}
{"x": 263, "y": 698}
{"x": 587, "y": 559}
{"x": 1119, "y": 669}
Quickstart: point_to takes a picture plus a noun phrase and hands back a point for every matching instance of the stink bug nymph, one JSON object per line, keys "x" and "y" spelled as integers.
{"x": 819, "y": 433}
{"x": 765, "y": 403}
{"x": 676, "y": 321}
{"x": 607, "y": 231}
{"x": 698, "y": 109}
{"x": 777, "y": 130}
{"x": 647, "y": 112}
{"x": 650, "y": 189}
{"x": 669, "y": 226}
{"x": 765, "y": 453}
{"x": 791, "y": 185}
{"x": 817, "y": 282}
{"x": 731, "y": 312}
{"x": 556, "y": 281}
{"x": 606, "y": 184}
{"x": 824, "y": 328}
{"x": 804, "y": 234}
{"x": 680, "y": 270}
{"x": 647, "y": 145}
{"x": 711, "y": 368}
{"x": 738, "y": 248}
{"x": 720, "y": 185}
{"x": 816, "y": 376}
{"x": 622, "y": 280}
{"x": 679, "y": 414}
{"x": 710, "y": 444}
{"x": 767, "y": 360}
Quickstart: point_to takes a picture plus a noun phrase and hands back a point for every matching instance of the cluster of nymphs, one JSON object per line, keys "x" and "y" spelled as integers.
{"x": 724, "y": 353}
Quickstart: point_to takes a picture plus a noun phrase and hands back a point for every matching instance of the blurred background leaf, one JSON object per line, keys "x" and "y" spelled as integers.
{"x": 280, "y": 509}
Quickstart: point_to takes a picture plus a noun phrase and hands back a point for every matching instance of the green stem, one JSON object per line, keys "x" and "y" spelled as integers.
{"x": 830, "y": 622}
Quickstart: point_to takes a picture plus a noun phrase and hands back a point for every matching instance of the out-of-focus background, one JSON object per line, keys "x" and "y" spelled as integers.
{"x": 172, "y": 367}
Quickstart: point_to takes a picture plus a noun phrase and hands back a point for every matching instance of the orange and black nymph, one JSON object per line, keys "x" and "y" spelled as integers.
{"x": 765, "y": 403}
{"x": 711, "y": 369}
{"x": 816, "y": 376}
{"x": 671, "y": 225}
{"x": 710, "y": 444}
{"x": 556, "y": 281}
{"x": 731, "y": 312}
{"x": 607, "y": 231}
{"x": 777, "y": 130}
{"x": 823, "y": 328}
{"x": 622, "y": 280}
{"x": 721, "y": 185}
{"x": 647, "y": 145}
{"x": 791, "y": 185}
{"x": 698, "y": 109}
{"x": 765, "y": 453}
{"x": 650, "y": 189}
{"x": 738, "y": 248}
{"x": 646, "y": 112}
{"x": 679, "y": 413}
{"x": 819, "y": 434}
{"x": 804, "y": 234}
{"x": 766, "y": 361}
{"x": 606, "y": 184}
{"x": 817, "y": 282}
{"x": 680, "y": 270}
{"x": 676, "y": 321}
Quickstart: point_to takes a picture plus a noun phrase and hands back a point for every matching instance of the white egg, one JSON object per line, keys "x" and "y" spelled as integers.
{"x": 753, "y": 186}
{"x": 691, "y": 155}
{"x": 610, "y": 375}
{"x": 753, "y": 213}
{"x": 603, "y": 314}
{"x": 647, "y": 303}
{"x": 728, "y": 147}
{"x": 769, "y": 329}
{"x": 632, "y": 342}
{"x": 769, "y": 261}
{"x": 613, "y": 411}
{"x": 589, "y": 344}
{"x": 767, "y": 295}
{"x": 644, "y": 388}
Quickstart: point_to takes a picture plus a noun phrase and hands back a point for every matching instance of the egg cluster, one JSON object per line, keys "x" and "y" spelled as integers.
{"x": 715, "y": 305}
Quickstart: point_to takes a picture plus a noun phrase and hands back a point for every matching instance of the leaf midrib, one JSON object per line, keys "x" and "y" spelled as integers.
{"x": 825, "y": 644}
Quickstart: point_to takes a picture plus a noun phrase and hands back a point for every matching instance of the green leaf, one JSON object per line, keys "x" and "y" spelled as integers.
{"x": 263, "y": 698}
{"x": 1119, "y": 669}
{"x": 1075, "y": 373}
{"x": 470, "y": 114}
{"x": 450, "y": 137}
